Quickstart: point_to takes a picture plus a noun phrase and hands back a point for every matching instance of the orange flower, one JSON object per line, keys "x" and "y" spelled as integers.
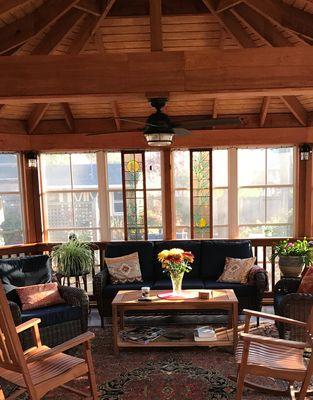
{"x": 188, "y": 256}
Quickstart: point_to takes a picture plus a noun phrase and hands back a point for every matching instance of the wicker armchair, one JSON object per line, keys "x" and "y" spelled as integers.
{"x": 288, "y": 303}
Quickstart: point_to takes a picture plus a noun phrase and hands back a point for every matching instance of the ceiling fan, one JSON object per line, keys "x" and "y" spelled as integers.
{"x": 159, "y": 129}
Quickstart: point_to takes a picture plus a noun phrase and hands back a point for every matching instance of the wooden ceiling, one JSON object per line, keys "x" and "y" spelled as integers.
{"x": 62, "y": 27}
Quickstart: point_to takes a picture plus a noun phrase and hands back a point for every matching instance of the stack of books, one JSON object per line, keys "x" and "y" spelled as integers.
{"x": 204, "y": 334}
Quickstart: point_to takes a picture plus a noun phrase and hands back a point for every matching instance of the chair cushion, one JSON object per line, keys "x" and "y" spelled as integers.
{"x": 162, "y": 284}
{"x": 111, "y": 290}
{"x": 145, "y": 253}
{"x": 24, "y": 271}
{"x": 188, "y": 245}
{"x": 54, "y": 315}
{"x": 39, "y": 296}
{"x": 239, "y": 288}
{"x": 306, "y": 284}
{"x": 214, "y": 253}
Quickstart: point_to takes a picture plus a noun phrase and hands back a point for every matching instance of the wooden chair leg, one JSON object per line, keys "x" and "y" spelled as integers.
{"x": 1, "y": 394}
{"x": 240, "y": 383}
{"x": 304, "y": 387}
{"x": 91, "y": 372}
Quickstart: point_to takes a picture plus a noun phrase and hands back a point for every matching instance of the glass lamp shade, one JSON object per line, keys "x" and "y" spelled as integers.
{"x": 159, "y": 139}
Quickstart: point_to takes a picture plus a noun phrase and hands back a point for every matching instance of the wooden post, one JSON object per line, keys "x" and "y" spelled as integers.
{"x": 31, "y": 202}
{"x": 168, "y": 195}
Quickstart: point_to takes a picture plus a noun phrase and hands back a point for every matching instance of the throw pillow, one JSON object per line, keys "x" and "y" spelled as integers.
{"x": 236, "y": 270}
{"x": 125, "y": 269}
{"x": 306, "y": 284}
{"x": 38, "y": 296}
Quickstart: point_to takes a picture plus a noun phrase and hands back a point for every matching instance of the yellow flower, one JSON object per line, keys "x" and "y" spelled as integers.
{"x": 163, "y": 255}
{"x": 202, "y": 223}
{"x": 175, "y": 252}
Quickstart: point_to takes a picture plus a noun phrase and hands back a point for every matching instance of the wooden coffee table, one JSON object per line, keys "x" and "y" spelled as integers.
{"x": 127, "y": 300}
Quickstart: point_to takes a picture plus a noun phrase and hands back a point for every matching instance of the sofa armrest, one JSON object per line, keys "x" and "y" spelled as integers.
{"x": 16, "y": 312}
{"x": 100, "y": 280}
{"x": 287, "y": 285}
{"x": 77, "y": 297}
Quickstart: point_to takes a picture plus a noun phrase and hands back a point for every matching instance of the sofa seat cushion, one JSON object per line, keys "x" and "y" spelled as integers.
{"x": 145, "y": 253}
{"x": 111, "y": 290}
{"x": 188, "y": 245}
{"x": 214, "y": 253}
{"x": 239, "y": 288}
{"x": 163, "y": 284}
{"x": 53, "y": 315}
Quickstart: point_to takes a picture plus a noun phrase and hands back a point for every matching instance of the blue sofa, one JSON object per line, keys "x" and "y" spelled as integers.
{"x": 208, "y": 266}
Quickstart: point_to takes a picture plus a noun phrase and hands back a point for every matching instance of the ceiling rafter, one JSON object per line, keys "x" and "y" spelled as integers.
{"x": 10, "y": 5}
{"x": 156, "y": 34}
{"x": 296, "y": 108}
{"x": 232, "y": 26}
{"x": 18, "y": 32}
{"x": 264, "y": 110}
{"x": 226, "y": 4}
{"x": 215, "y": 108}
{"x": 68, "y": 116}
{"x": 89, "y": 6}
{"x": 116, "y": 115}
{"x": 36, "y": 116}
{"x": 285, "y": 15}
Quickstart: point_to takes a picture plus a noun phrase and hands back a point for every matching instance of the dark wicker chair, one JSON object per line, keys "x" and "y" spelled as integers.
{"x": 288, "y": 303}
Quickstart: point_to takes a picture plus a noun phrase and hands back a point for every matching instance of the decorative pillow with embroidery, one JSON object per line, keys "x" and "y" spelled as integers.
{"x": 306, "y": 285}
{"x": 236, "y": 270}
{"x": 39, "y": 296}
{"x": 125, "y": 269}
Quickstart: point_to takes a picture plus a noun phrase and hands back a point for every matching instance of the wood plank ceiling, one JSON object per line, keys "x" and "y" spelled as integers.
{"x": 60, "y": 27}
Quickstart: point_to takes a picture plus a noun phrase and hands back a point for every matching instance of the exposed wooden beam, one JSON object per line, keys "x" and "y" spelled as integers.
{"x": 36, "y": 116}
{"x": 296, "y": 108}
{"x": 89, "y": 6}
{"x": 261, "y": 26}
{"x": 232, "y": 26}
{"x": 226, "y": 4}
{"x": 245, "y": 72}
{"x": 156, "y": 33}
{"x": 99, "y": 41}
{"x": 116, "y": 115}
{"x": 68, "y": 116}
{"x": 264, "y": 110}
{"x": 215, "y": 108}
{"x": 2, "y": 106}
{"x": 58, "y": 32}
{"x": 10, "y": 5}
{"x": 285, "y": 15}
{"x": 30, "y": 25}
{"x": 84, "y": 35}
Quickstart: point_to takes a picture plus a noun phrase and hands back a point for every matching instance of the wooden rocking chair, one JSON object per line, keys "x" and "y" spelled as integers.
{"x": 40, "y": 368}
{"x": 276, "y": 358}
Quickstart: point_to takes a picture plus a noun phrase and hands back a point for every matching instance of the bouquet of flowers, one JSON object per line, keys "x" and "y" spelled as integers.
{"x": 176, "y": 261}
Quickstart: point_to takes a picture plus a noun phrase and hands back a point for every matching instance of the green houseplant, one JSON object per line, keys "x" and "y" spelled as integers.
{"x": 74, "y": 258}
{"x": 292, "y": 256}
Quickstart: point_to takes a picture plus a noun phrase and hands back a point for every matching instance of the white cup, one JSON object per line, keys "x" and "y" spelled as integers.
{"x": 145, "y": 291}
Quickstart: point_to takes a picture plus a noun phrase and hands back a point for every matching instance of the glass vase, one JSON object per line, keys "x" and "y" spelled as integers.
{"x": 177, "y": 280}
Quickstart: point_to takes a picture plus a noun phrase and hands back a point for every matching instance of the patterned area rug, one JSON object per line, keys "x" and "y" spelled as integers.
{"x": 163, "y": 374}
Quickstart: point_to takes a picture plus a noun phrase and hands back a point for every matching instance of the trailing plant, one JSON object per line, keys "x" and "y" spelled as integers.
{"x": 73, "y": 258}
{"x": 176, "y": 261}
{"x": 299, "y": 248}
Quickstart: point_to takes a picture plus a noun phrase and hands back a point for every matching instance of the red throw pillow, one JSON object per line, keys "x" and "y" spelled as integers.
{"x": 306, "y": 285}
{"x": 38, "y": 296}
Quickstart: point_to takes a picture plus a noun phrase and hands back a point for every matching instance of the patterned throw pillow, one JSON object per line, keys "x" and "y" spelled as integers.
{"x": 38, "y": 296}
{"x": 236, "y": 270}
{"x": 306, "y": 285}
{"x": 125, "y": 269}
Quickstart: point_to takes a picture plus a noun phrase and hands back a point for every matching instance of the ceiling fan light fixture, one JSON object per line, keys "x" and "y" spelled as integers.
{"x": 159, "y": 139}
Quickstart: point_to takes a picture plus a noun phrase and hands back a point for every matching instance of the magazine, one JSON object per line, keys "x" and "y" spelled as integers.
{"x": 142, "y": 334}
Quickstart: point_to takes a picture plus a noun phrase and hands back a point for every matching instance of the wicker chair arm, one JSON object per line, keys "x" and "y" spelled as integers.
{"x": 100, "y": 280}
{"x": 287, "y": 285}
{"x": 16, "y": 312}
{"x": 77, "y": 297}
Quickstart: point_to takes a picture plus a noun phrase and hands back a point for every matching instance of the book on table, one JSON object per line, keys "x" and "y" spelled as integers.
{"x": 204, "y": 333}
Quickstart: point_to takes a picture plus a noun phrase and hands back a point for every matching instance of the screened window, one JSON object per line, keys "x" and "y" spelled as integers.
{"x": 265, "y": 192}
{"x": 11, "y": 215}
{"x": 70, "y": 196}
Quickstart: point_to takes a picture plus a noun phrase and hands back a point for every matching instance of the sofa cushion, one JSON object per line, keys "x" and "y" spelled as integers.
{"x": 241, "y": 290}
{"x": 24, "y": 271}
{"x": 145, "y": 253}
{"x": 192, "y": 283}
{"x": 214, "y": 253}
{"x": 125, "y": 269}
{"x": 53, "y": 315}
{"x": 111, "y": 290}
{"x": 188, "y": 245}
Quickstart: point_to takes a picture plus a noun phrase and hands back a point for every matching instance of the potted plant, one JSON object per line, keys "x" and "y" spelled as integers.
{"x": 293, "y": 256}
{"x": 74, "y": 258}
{"x": 176, "y": 262}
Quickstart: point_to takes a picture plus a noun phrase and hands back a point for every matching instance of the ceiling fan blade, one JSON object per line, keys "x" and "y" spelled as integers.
{"x": 136, "y": 122}
{"x": 107, "y": 133}
{"x": 210, "y": 122}
{"x": 181, "y": 131}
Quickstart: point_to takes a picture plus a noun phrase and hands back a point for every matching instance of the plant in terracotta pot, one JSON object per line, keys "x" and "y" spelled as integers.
{"x": 74, "y": 258}
{"x": 293, "y": 256}
{"x": 176, "y": 262}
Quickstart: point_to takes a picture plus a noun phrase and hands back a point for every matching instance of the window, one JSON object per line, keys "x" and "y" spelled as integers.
{"x": 70, "y": 196}
{"x": 265, "y": 192}
{"x": 192, "y": 194}
{"x": 11, "y": 215}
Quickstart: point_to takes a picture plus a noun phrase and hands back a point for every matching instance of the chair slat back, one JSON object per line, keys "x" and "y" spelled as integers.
{"x": 11, "y": 352}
